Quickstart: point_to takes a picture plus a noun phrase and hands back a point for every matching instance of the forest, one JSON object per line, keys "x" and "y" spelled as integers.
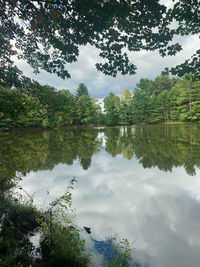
{"x": 161, "y": 100}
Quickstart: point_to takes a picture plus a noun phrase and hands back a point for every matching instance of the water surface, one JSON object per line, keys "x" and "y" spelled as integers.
{"x": 139, "y": 183}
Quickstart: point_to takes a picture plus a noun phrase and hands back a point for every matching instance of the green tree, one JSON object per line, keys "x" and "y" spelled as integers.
{"x": 173, "y": 94}
{"x": 98, "y": 116}
{"x": 67, "y": 107}
{"x": 188, "y": 98}
{"x": 112, "y": 109}
{"x": 194, "y": 114}
{"x": 81, "y": 90}
{"x": 11, "y": 104}
{"x": 146, "y": 86}
{"x": 126, "y": 114}
{"x": 161, "y": 83}
{"x": 140, "y": 104}
{"x": 154, "y": 109}
{"x": 34, "y": 114}
{"x": 84, "y": 110}
{"x": 184, "y": 98}
{"x": 164, "y": 101}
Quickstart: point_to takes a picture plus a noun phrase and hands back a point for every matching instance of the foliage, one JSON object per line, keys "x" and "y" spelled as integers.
{"x": 186, "y": 13}
{"x": 112, "y": 109}
{"x": 38, "y": 29}
{"x": 18, "y": 223}
{"x": 85, "y": 110}
{"x": 126, "y": 114}
{"x": 98, "y": 115}
{"x": 123, "y": 256}
{"x": 140, "y": 106}
{"x": 81, "y": 90}
{"x": 34, "y": 105}
{"x": 160, "y": 100}
{"x": 166, "y": 99}
{"x": 60, "y": 242}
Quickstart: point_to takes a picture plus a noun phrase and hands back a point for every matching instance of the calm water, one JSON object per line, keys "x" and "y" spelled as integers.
{"x": 139, "y": 183}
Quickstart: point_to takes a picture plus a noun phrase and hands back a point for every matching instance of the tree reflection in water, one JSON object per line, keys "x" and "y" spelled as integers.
{"x": 162, "y": 146}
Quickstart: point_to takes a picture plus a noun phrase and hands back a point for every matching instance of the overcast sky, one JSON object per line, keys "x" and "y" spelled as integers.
{"x": 149, "y": 65}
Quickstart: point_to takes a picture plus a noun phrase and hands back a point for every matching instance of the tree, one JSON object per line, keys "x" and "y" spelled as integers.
{"x": 81, "y": 90}
{"x": 84, "y": 110}
{"x": 161, "y": 83}
{"x": 164, "y": 101}
{"x": 167, "y": 99}
{"x": 112, "y": 109}
{"x": 154, "y": 114}
{"x": 145, "y": 85}
{"x": 126, "y": 96}
{"x": 67, "y": 106}
{"x": 84, "y": 106}
{"x": 188, "y": 99}
{"x": 140, "y": 104}
{"x": 126, "y": 115}
{"x": 186, "y": 13}
{"x": 98, "y": 115}
{"x": 49, "y": 33}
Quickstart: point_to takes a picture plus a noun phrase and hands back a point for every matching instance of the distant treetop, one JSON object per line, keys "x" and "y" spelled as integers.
{"x": 81, "y": 90}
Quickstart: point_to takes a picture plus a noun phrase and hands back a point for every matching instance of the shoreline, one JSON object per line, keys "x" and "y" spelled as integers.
{"x": 16, "y": 129}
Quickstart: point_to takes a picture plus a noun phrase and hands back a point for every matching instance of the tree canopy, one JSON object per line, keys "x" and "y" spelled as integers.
{"x": 49, "y": 33}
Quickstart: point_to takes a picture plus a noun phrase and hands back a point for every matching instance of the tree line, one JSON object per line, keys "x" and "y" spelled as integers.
{"x": 167, "y": 99}
{"x": 35, "y": 105}
{"x": 163, "y": 99}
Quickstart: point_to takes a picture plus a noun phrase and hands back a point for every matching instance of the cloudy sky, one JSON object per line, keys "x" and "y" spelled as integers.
{"x": 149, "y": 65}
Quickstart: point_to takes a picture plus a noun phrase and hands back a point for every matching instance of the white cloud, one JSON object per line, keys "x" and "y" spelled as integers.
{"x": 149, "y": 65}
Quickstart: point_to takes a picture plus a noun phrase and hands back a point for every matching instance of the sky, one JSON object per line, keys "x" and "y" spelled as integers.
{"x": 149, "y": 65}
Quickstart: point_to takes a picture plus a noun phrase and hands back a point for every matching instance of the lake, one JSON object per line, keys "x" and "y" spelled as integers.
{"x": 140, "y": 183}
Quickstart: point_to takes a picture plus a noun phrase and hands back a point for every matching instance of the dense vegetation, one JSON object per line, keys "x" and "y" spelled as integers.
{"x": 166, "y": 99}
{"x": 163, "y": 99}
{"x": 34, "y": 105}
